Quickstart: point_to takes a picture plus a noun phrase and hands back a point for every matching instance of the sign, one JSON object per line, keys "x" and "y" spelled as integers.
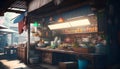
{"x": 86, "y": 29}
{"x": 93, "y": 27}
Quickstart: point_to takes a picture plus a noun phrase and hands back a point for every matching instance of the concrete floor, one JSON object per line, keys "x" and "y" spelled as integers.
{"x": 11, "y": 62}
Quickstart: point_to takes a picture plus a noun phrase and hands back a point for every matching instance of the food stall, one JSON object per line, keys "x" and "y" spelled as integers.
{"x": 88, "y": 41}
{"x": 65, "y": 38}
{"x": 65, "y": 35}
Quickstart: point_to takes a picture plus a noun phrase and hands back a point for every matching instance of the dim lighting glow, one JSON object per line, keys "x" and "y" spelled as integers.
{"x": 59, "y": 26}
{"x": 82, "y": 22}
{"x": 18, "y": 9}
{"x": 75, "y": 23}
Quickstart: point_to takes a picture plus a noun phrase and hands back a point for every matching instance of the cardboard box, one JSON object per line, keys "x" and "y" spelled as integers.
{"x": 68, "y": 65}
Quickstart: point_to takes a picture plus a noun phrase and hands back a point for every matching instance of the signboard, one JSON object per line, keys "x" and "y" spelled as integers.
{"x": 86, "y": 29}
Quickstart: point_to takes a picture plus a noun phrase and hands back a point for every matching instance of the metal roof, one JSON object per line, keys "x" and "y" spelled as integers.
{"x": 51, "y": 8}
{"x": 17, "y": 6}
{"x": 48, "y": 9}
{"x": 5, "y": 4}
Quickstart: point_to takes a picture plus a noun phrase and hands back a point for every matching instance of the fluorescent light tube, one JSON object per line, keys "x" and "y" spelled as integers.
{"x": 77, "y": 23}
{"x": 17, "y": 9}
{"x": 69, "y": 24}
{"x": 59, "y": 26}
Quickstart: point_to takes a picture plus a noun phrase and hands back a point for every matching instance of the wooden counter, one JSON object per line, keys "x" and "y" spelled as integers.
{"x": 55, "y": 50}
{"x": 66, "y": 52}
{"x": 54, "y": 56}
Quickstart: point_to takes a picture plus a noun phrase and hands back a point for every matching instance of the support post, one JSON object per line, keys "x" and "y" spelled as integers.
{"x": 28, "y": 43}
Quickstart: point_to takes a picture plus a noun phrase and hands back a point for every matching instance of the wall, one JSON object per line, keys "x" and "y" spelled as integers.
{"x": 112, "y": 15}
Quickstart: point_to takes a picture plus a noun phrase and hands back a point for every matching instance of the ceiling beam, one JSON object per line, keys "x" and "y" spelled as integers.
{"x": 55, "y": 11}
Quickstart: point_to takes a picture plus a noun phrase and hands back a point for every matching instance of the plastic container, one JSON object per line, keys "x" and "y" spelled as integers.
{"x": 82, "y": 64}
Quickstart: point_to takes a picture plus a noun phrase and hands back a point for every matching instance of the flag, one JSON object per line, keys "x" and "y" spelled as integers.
{"x": 19, "y": 18}
{"x": 22, "y": 25}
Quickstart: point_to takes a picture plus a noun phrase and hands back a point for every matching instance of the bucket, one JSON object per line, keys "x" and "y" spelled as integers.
{"x": 82, "y": 64}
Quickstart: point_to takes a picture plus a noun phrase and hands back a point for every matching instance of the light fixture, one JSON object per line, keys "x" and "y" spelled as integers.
{"x": 77, "y": 23}
{"x": 59, "y": 26}
{"x": 17, "y": 9}
{"x": 70, "y": 24}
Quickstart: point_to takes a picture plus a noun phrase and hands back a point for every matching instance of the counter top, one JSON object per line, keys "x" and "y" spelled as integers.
{"x": 77, "y": 55}
{"x": 55, "y": 50}
{"x": 65, "y": 51}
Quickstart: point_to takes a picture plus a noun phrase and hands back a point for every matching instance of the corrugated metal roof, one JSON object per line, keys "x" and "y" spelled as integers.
{"x": 19, "y": 4}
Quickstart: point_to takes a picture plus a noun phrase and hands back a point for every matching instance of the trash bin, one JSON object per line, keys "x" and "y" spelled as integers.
{"x": 82, "y": 64}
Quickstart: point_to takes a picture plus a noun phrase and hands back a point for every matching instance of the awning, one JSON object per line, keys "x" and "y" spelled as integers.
{"x": 8, "y": 31}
